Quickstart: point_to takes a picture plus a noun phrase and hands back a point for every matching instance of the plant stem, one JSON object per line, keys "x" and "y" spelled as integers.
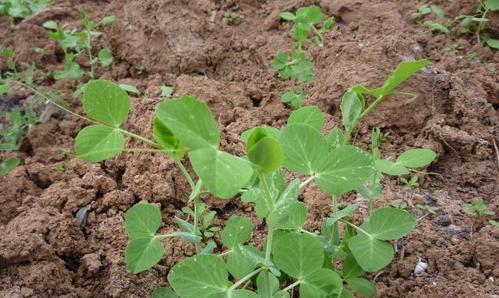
{"x": 268, "y": 247}
{"x": 143, "y": 150}
{"x": 291, "y": 286}
{"x": 91, "y": 60}
{"x": 243, "y": 280}
{"x": 357, "y": 228}
{"x": 307, "y": 181}
{"x": 266, "y": 190}
{"x": 336, "y": 230}
{"x": 186, "y": 173}
{"x": 138, "y": 137}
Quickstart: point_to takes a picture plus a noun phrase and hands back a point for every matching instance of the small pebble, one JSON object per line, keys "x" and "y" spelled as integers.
{"x": 421, "y": 267}
{"x": 81, "y": 216}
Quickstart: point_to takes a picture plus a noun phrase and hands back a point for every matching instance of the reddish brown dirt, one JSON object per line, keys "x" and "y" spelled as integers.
{"x": 43, "y": 251}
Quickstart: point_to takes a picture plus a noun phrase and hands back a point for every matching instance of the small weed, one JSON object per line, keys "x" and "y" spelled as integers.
{"x": 295, "y": 98}
{"x": 230, "y": 18}
{"x": 166, "y": 91}
{"x": 20, "y": 9}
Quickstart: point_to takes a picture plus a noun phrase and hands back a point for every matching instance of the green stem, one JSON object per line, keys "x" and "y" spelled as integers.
{"x": 268, "y": 247}
{"x": 143, "y": 150}
{"x": 321, "y": 37}
{"x": 138, "y": 137}
{"x": 266, "y": 190}
{"x": 243, "y": 280}
{"x": 357, "y": 228}
{"x": 307, "y": 181}
{"x": 186, "y": 173}
{"x": 91, "y": 59}
{"x": 336, "y": 230}
{"x": 296, "y": 283}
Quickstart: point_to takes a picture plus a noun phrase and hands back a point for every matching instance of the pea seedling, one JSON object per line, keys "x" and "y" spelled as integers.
{"x": 479, "y": 211}
{"x": 291, "y": 256}
{"x": 295, "y": 98}
{"x": 75, "y": 43}
{"x": 441, "y": 25}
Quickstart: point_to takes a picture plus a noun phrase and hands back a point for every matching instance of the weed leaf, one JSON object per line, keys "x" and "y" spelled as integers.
{"x": 106, "y": 102}
{"x": 416, "y": 158}
{"x": 98, "y": 142}
{"x": 403, "y": 71}
{"x": 391, "y": 168}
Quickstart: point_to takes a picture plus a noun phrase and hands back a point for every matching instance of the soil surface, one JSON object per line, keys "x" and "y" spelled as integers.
{"x": 44, "y": 252}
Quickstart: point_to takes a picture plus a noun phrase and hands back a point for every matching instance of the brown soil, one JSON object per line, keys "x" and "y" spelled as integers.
{"x": 45, "y": 253}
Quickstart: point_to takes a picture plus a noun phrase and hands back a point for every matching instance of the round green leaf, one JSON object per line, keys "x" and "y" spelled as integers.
{"x": 267, "y": 284}
{"x": 346, "y": 168}
{"x": 163, "y": 293}
{"x": 288, "y": 16}
{"x": 142, "y": 220}
{"x": 98, "y": 142}
{"x": 191, "y": 121}
{"x": 243, "y": 294}
{"x": 238, "y": 264}
{"x": 322, "y": 283}
{"x": 290, "y": 216}
{"x": 298, "y": 255}
{"x": 167, "y": 140}
{"x": 305, "y": 149}
{"x": 266, "y": 155}
{"x": 222, "y": 173}
{"x": 237, "y": 231}
{"x": 310, "y": 115}
{"x": 390, "y": 223}
{"x": 362, "y": 286}
{"x": 350, "y": 268}
{"x": 143, "y": 253}
{"x": 492, "y": 5}
{"x": 416, "y": 158}
{"x": 370, "y": 253}
{"x": 391, "y": 168}
{"x": 199, "y": 276}
{"x": 106, "y": 102}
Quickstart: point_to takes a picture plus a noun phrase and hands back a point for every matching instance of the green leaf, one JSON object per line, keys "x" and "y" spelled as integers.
{"x": 238, "y": 264}
{"x": 404, "y": 71}
{"x": 370, "y": 253}
{"x": 105, "y": 57}
{"x": 391, "y": 168}
{"x": 298, "y": 255}
{"x": 237, "y": 231}
{"x": 309, "y": 14}
{"x": 362, "y": 286}
{"x": 71, "y": 70}
{"x": 439, "y": 11}
{"x": 143, "y": 253}
{"x": 345, "y": 168}
{"x": 416, "y": 158}
{"x": 191, "y": 121}
{"x": 352, "y": 105}
{"x": 130, "y": 89}
{"x": 305, "y": 149}
{"x": 288, "y": 217}
{"x": 166, "y": 91}
{"x": 351, "y": 268}
{"x": 267, "y": 284}
{"x": 294, "y": 99}
{"x": 493, "y": 43}
{"x": 4, "y": 88}
{"x": 243, "y": 294}
{"x": 9, "y": 164}
{"x": 50, "y": 25}
{"x": 222, "y": 173}
{"x": 389, "y": 223}
{"x": 98, "y": 142}
{"x": 492, "y": 5}
{"x": 310, "y": 115}
{"x": 167, "y": 140}
{"x": 288, "y": 16}
{"x": 142, "y": 220}
{"x": 335, "y": 138}
{"x": 266, "y": 155}
{"x": 345, "y": 212}
{"x": 199, "y": 276}
{"x": 322, "y": 283}
{"x": 163, "y": 293}
{"x": 107, "y": 20}
{"x": 269, "y": 131}
{"x": 106, "y": 102}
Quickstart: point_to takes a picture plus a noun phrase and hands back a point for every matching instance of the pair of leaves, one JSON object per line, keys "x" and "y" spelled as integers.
{"x": 190, "y": 121}
{"x": 304, "y": 263}
{"x": 264, "y": 151}
{"x": 305, "y": 20}
{"x": 369, "y": 247}
{"x": 336, "y": 170}
{"x": 297, "y": 66}
{"x": 294, "y": 99}
{"x": 108, "y": 104}
{"x": 410, "y": 159}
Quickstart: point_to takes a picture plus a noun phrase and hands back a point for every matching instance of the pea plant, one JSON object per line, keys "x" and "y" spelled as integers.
{"x": 297, "y": 65}
{"x": 328, "y": 262}
{"x": 75, "y": 43}
{"x": 19, "y": 9}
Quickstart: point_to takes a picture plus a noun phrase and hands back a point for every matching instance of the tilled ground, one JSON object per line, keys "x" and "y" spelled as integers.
{"x": 45, "y": 253}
